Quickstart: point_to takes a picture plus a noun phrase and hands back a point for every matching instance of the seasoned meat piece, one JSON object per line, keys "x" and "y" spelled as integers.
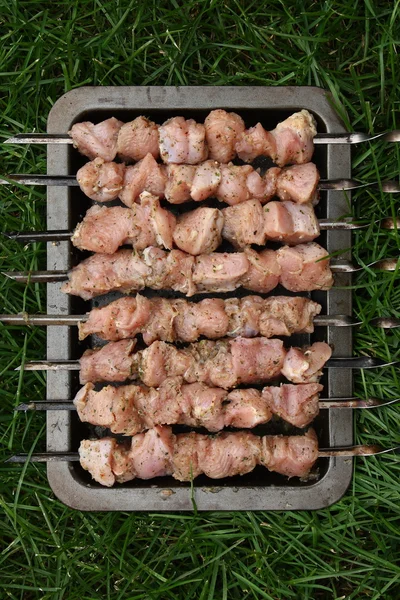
{"x": 207, "y": 318}
{"x": 263, "y": 274}
{"x": 246, "y": 409}
{"x": 123, "y": 318}
{"x": 105, "y": 229}
{"x": 222, "y": 131}
{"x": 244, "y": 315}
{"x": 138, "y": 138}
{"x": 254, "y": 142}
{"x": 290, "y": 223}
{"x": 296, "y": 404}
{"x": 199, "y": 231}
{"x": 294, "y": 139}
{"x": 304, "y": 366}
{"x": 206, "y": 180}
{"x": 96, "y": 456}
{"x": 160, "y": 324}
{"x": 303, "y": 268}
{"x": 233, "y": 183}
{"x": 145, "y": 176}
{"x": 298, "y": 183}
{"x": 283, "y": 315}
{"x": 219, "y": 272}
{"x": 97, "y": 141}
{"x": 290, "y": 455}
{"x": 113, "y": 362}
{"x": 257, "y": 359}
{"x": 151, "y": 453}
{"x": 101, "y": 181}
{"x": 263, "y": 188}
{"x": 182, "y": 141}
{"x": 228, "y": 454}
{"x": 244, "y": 224}
{"x": 179, "y": 182}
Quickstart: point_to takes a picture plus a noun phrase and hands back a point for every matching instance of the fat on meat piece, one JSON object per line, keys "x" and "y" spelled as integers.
{"x": 291, "y": 142}
{"x": 97, "y": 140}
{"x": 222, "y": 363}
{"x": 222, "y": 132}
{"x": 145, "y": 176}
{"x": 171, "y": 320}
{"x": 304, "y": 267}
{"x": 179, "y": 182}
{"x": 159, "y": 452}
{"x": 138, "y": 138}
{"x": 182, "y": 141}
{"x": 297, "y": 269}
{"x": 199, "y": 231}
{"x": 101, "y": 181}
{"x": 298, "y": 183}
{"x": 131, "y": 409}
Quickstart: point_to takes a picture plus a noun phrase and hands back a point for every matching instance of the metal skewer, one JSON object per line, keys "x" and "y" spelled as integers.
{"x": 27, "y": 237}
{"x": 320, "y": 138}
{"x": 319, "y": 320}
{"x": 339, "y": 266}
{"x": 346, "y": 451}
{"x": 324, "y": 403}
{"x": 353, "y": 362}
{"x": 390, "y": 187}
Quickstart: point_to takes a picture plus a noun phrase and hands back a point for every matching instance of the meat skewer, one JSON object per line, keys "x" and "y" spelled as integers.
{"x": 196, "y": 232}
{"x": 339, "y": 266}
{"x": 26, "y": 237}
{"x": 222, "y": 137}
{"x": 389, "y": 186}
{"x": 106, "y": 181}
{"x": 301, "y": 268}
{"x": 159, "y": 452}
{"x": 134, "y": 408}
{"x": 121, "y": 327}
{"x": 222, "y": 363}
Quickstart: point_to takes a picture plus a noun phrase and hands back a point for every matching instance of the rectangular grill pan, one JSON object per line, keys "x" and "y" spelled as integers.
{"x": 259, "y": 490}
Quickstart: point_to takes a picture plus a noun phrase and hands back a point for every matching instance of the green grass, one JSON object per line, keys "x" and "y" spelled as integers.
{"x": 349, "y": 551}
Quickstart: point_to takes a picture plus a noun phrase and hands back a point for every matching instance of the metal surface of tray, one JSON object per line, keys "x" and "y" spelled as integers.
{"x": 259, "y": 490}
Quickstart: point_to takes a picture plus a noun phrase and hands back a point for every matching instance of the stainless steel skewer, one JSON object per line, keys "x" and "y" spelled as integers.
{"x": 353, "y": 362}
{"x": 337, "y": 266}
{"x": 320, "y": 138}
{"x": 390, "y": 187}
{"x": 323, "y": 403}
{"x": 27, "y": 237}
{"x": 319, "y": 320}
{"x": 346, "y": 451}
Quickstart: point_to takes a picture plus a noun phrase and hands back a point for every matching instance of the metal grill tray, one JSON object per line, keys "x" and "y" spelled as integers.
{"x": 259, "y": 490}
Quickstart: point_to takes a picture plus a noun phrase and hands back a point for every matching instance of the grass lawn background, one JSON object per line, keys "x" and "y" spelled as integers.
{"x": 350, "y": 551}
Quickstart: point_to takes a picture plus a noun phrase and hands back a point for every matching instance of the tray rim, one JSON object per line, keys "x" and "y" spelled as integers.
{"x": 61, "y": 478}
